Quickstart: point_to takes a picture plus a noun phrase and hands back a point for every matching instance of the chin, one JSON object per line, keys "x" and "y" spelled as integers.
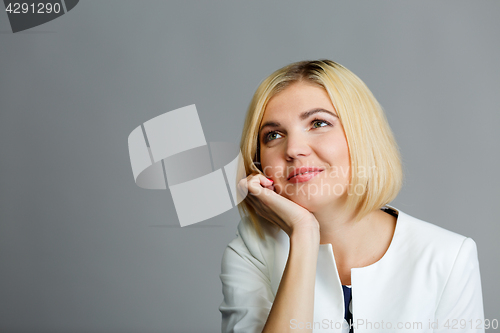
{"x": 311, "y": 203}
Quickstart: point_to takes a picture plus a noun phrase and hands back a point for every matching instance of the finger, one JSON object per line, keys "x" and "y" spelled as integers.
{"x": 256, "y": 182}
{"x": 270, "y": 187}
{"x": 263, "y": 180}
{"x": 262, "y": 186}
{"x": 267, "y": 182}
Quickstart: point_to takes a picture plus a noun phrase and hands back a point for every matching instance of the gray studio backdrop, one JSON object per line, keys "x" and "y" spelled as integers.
{"x": 84, "y": 249}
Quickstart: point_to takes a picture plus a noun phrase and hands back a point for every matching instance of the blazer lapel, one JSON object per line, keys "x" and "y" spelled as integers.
{"x": 328, "y": 294}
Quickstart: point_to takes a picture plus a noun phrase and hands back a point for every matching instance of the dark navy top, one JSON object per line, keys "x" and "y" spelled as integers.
{"x": 347, "y": 301}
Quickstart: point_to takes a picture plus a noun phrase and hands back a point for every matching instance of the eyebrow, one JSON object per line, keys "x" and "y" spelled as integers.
{"x": 304, "y": 115}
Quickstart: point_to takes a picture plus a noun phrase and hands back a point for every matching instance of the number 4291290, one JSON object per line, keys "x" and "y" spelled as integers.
{"x": 39, "y": 8}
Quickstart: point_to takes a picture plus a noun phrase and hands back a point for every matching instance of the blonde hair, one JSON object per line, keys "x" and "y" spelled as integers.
{"x": 370, "y": 140}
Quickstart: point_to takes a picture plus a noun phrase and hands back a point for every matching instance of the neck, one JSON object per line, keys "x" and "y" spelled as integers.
{"x": 352, "y": 241}
{"x": 333, "y": 223}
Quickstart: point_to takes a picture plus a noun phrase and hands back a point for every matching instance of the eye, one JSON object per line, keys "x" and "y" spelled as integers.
{"x": 271, "y": 136}
{"x": 320, "y": 121}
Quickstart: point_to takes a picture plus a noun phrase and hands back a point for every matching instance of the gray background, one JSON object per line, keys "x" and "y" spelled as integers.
{"x": 83, "y": 249}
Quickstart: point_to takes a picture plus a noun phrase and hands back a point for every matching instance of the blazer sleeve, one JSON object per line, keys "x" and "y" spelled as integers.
{"x": 246, "y": 285}
{"x": 462, "y": 301}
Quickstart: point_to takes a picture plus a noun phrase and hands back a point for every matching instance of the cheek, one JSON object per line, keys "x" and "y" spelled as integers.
{"x": 270, "y": 166}
{"x": 273, "y": 168}
{"x": 344, "y": 152}
{"x": 335, "y": 153}
{"x": 344, "y": 156}
{"x": 337, "y": 156}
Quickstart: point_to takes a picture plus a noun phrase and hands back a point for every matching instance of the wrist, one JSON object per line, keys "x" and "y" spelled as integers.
{"x": 307, "y": 230}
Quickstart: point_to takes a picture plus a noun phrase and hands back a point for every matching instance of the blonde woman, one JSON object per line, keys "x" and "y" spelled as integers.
{"x": 318, "y": 248}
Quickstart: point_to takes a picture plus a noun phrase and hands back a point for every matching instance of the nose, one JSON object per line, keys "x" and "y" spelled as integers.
{"x": 296, "y": 147}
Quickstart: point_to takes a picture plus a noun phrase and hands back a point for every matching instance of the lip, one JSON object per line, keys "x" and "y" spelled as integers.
{"x": 299, "y": 175}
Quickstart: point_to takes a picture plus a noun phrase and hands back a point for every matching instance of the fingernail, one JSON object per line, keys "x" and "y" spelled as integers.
{"x": 272, "y": 181}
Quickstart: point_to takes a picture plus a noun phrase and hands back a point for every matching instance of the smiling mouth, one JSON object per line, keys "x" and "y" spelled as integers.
{"x": 304, "y": 176}
{"x": 304, "y": 171}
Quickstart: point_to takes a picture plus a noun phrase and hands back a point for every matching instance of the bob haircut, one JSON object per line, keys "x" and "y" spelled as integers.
{"x": 375, "y": 172}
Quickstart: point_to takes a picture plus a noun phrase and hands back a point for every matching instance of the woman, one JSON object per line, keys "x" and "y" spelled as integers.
{"x": 318, "y": 247}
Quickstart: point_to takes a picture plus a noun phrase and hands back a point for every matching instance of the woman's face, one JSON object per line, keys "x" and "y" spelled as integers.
{"x": 301, "y": 132}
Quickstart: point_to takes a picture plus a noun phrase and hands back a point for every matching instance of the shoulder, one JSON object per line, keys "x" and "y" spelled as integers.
{"x": 426, "y": 232}
{"x": 431, "y": 243}
{"x": 250, "y": 248}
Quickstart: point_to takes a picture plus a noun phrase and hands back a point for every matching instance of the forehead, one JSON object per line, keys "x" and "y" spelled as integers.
{"x": 297, "y": 98}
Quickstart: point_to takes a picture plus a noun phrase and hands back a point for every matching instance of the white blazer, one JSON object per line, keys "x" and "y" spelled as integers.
{"x": 427, "y": 281}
